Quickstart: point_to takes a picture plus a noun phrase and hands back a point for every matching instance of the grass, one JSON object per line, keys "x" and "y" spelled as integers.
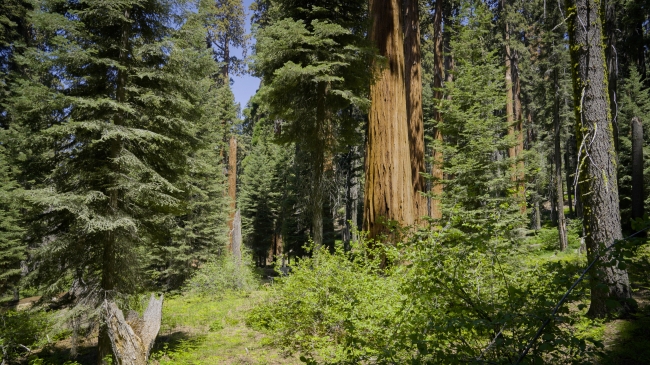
{"x": 211, "y": 330}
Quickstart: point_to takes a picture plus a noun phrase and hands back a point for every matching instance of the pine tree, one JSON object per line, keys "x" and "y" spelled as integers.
{"x": 116, "y": 91}
{"x": 312, "y": 60}
{"x": 200, "y": 232}
{"x": 634, "y": 102}
{"x": 475, "y": 195}
{"x": 12, "y": 248}
{"x": 602, "y": 219}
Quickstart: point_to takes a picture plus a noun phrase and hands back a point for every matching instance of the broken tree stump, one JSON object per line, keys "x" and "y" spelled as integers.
{"x": 132, "y": 338}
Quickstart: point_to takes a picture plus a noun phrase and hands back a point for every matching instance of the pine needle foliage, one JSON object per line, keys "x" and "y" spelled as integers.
{"x": 114, "y": 96}
{"x": 477, "y": 193}
{"x": 12, "y": 248}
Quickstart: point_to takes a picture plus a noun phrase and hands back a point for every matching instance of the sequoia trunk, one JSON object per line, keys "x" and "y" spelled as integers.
{"x": 413, "y": 84}
{"x": 439, "y": 71}
{"x": 602, "y": 220}
{"x": 388, "y": 193}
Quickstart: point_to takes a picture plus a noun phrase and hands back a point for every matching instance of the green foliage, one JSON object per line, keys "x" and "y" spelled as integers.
{"x": 12, "y": 248}
{"x": 455, "y": 301}
{"x": 333, "y": 308}
{"x": 20, "y": 331}
{"x": 117, "y": 100}
{"x": 222, "y": 275}
{"x": 481, "y": 190}
{"x": 634, "y": 101}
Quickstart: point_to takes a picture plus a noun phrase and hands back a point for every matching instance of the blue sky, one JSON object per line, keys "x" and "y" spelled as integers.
{"x": 244, "y": 86}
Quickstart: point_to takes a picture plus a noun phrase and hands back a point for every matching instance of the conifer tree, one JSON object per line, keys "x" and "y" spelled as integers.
{"x": 313, "y": 63}
{"x": 118, "y": 95}
{"x": 602, "y": 219}
{"x": 388, "y": 192}
{"x": 476, "y": 195}
{"x": 12, "y": 248}
{"x": 634, "y": 102}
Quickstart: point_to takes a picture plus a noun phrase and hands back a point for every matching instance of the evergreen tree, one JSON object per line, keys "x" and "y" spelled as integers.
{"x": 200, "y": 232}
{"x": 602, "y": 219}
{"x": 117, "y": 93}
{"x": 477, "y": 193}
{"x": 312, "y": 60}
{"x": 634, "y": 101}
{"x": 12, "y": 249}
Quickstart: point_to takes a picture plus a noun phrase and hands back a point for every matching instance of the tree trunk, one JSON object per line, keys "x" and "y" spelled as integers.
{"x": 388, "y": 193}
{"x": 236, "y": 236}
{"x": 351, "y": 198}
{"x": 559, "y": 193}
{"x": 413, "y": 84}
{"x": 439, "y": 72}
{"x": 109, "y": 255}
{"x": 537, "y": 217}
{"x": 612, "y": 66}
{"x": 132, "y": 338}
{"x": 232, "y": 185}
{"x": 513, "y": 115}
{"x": 638, "y": 198}
{"x": 567, "y": 167}
{"x": 602, "y": 220}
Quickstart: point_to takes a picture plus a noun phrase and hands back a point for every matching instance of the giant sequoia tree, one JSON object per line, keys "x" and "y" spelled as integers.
{"x": 597, "y": 157}
{"x": 389, "y": 192}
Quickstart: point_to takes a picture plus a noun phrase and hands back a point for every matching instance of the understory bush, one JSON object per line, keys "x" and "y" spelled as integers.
{"x": 21, "y": 332}
{"x": 224, "y": 274}
{"x": 441, "y": 299}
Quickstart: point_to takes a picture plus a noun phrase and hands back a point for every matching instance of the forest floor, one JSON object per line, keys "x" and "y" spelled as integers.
{"x": 208, "y": 330}
{"x": 195, "y": 330}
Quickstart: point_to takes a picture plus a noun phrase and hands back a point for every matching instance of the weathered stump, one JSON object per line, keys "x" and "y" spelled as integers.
{"x": 132, "y": 338}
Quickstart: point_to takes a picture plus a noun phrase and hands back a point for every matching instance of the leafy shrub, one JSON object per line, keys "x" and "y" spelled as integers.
{"x": 20, "y": 331}
{"x": 333, "y": 308}
{"x": 222, "y": 275}
{"x": 444, "y": 300}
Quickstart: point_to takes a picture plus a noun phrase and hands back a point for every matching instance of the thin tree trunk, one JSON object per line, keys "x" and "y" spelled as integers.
{"x": 537, "y": 217}
{"x": 567, "y": 170}
{"x": 519, "y": 124}
{"x": 232, "y": 185}
{"x": 413, "y": 84}
{"x": 602, "y": 220}
{"x": 320, "y": 148}
{"x": 109, "y": 256}
{"x": 388, "y": 193}
{"x": 638, "y": 198}
{"x": 439, "y": 74}
{"x": 351, "y": 198}
{"x": 559, "y": 193}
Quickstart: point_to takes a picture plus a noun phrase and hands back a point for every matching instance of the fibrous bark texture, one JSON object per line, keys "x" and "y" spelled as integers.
{"x": 132, "y": 338}
{"x": 637, "y": 168}
{"x": 236, "y": 236}
{"x": 413, "y": 73}
{"x": 232, "y": 182}
{"x": 514, "y": 116}
{"x": 439, "y": 71}
{"x": 388, "y": 193}
{"x": 596, "y": 155}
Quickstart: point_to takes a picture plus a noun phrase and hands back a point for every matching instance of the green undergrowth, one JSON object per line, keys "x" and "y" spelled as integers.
{"x": 211, "y": 330}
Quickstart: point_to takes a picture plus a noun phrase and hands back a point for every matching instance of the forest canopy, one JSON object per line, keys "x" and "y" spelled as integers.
{"x": 413, "y": 182}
